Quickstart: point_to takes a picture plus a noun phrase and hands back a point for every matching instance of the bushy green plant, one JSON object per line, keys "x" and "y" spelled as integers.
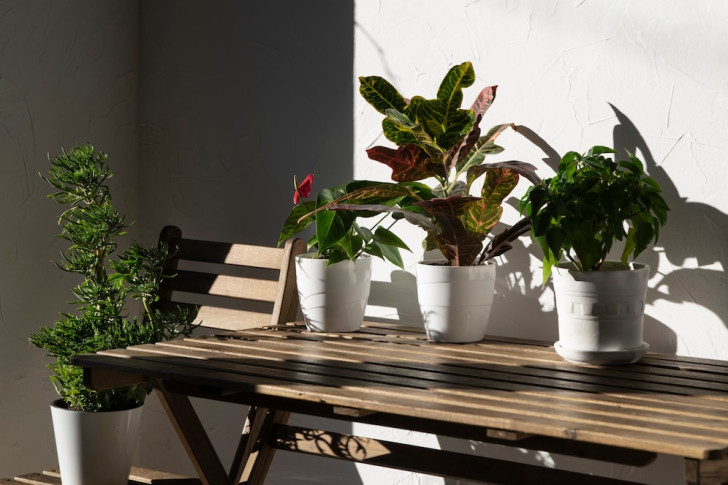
{"x": 92, "y": 225}
{"x": 438, "y": 139}
{"x": 590, "y": 203}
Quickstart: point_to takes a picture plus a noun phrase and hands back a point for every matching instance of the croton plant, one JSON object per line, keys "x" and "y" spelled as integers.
{"x": 438, "y": 139}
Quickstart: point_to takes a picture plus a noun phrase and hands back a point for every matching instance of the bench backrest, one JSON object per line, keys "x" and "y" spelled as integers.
{"x": 235, "y": 286}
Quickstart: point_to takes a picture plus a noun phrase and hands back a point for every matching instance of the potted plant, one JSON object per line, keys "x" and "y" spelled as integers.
{"x": 334, "y": 280}
{"x": 592, "y": 202}
{"x": 438, "y": 139}
{"x": 101, "y": 424}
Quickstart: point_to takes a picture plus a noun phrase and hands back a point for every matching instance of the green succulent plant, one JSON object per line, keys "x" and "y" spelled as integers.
{"x": 91, "y": 225}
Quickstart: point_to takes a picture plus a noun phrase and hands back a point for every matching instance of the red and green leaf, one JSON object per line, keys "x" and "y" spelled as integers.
{"x": 408, "y": 163}
{"x": 521, "y": 168}
{"x": 459, "y": 246}
{"x": 483, "y": 215}
{"x": 484, "y": 100}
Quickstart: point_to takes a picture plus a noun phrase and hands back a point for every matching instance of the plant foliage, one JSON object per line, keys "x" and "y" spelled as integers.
{"x": 338, "y": 235}
{"x": 91, "y": 225}
{"x": 437, "y": 138}
{"x": 592, "y": 202}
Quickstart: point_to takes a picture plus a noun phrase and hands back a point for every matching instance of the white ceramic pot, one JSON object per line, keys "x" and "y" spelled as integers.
{"x": 455, "y": 301}
{"x": 333, "y": 298}
{"x": 601, "y": 313}
{"x": 95, "y": 448}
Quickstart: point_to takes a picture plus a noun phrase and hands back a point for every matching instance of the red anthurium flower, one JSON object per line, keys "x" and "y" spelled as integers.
{"x": 304, "y": 189}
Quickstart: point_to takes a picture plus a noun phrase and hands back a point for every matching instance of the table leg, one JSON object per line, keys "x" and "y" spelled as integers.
{"x": 706, "y": 472}
{"x": 254, "y": 455}
{"x": 193, "y": 437}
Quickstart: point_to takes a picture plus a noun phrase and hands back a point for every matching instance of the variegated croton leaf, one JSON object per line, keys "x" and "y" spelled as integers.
{"x": 486, "y": 212}
{"x": 408, "y": 163}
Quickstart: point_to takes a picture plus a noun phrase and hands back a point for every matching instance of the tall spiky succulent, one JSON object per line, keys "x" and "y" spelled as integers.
{"x": 91, "y": 225}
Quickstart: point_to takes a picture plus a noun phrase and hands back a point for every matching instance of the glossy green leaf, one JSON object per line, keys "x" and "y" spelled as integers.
{"x": 294, "y": 224}
{"x": 383, "y": 235}
{"x": 391, "y": 254}
{"x": 381, "y": 94}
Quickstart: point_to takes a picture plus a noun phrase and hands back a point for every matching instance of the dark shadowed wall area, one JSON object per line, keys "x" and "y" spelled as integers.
{"x": 68, "y": 74}
{"x": 236, "y": 98}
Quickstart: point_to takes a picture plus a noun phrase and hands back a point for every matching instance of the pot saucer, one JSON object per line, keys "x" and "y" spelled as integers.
{"x": 606, "y": 357}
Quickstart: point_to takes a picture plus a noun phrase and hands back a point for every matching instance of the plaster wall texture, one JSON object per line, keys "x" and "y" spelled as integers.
{"x": 234, "y": 98}
{"x": 644, "y": 77}
{"x": 68, "y": 74}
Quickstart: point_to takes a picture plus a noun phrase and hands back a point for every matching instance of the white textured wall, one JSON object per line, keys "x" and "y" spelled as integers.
{"x": 235, "y": 97}
{"x": 68, "y": 74}
{"x": 642, "y": 76}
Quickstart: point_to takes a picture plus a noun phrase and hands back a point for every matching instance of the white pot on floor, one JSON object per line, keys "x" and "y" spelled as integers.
{"x": 95, "y": 448}
{"x": 333, "y": 298}
{"x": 601, "y": 313}
{"x": 455, "y": 301}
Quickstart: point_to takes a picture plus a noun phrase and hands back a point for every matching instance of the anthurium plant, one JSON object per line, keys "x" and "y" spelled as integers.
{"x": 338, "y": 236}
{"x": 590, "y": 203}
{"x": 438, "y": 139}
{"x": 101, "y": 321}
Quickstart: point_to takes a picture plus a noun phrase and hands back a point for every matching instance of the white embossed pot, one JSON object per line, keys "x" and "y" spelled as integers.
{"x": 601, "y": 313}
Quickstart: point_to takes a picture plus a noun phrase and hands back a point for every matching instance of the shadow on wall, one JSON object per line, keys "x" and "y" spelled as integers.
{"x": 709, "y": 229}
{"x": 533, "y": 297}
{"x": 519, "y": 287}
{"x": 695, "y": 233}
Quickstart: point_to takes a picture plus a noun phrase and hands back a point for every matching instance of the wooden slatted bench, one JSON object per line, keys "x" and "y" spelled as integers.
{"x": 232, "y": 286}
{"x": 513, "y": 392}
{"x": 138, "y": 476}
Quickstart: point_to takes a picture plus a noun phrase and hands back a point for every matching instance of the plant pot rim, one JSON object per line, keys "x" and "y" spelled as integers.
{"x": 61, "y": 404}
{"x": 312, "y": 256}
{"x": 444, "y": 262}
{"x": 610, "y": 266}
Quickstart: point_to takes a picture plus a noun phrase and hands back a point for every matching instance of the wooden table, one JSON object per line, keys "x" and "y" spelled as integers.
{"x": 507, "y": 391}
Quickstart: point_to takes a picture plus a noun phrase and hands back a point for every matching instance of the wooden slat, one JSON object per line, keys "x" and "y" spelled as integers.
{"x": 147, "y": 476}
{"x": 230, "y": 319}
{"x": 286, "y": 301}
{"x": 489, "y": 410}
{"x": 37, "y": 479}
{"x": 223, "y": 285}
{"x": 426, "y": 460}
{"x": 138, "y": 476}
{"x": 422, "y": 372}
{"x": 230, "y": 253}
{"x": 498, "y": 384}
{"x": 108, "y": 379}
{"x": 540, "y": 363}
{"x": 463, "y": 388}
